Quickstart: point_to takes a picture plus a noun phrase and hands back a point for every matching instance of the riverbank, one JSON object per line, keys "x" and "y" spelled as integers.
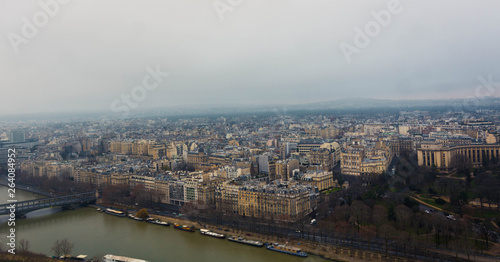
{"x": 329, "y": 252}
{"x": 27, "y": 257}
{"x": 323, "y": 250}
{"x": 326, "y": 251}
{"x": 27, "y": 188}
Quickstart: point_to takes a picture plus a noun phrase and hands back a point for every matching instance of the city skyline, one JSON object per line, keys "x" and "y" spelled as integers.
{"x": 222, "y": 130}
{"x": 85, "y": 56}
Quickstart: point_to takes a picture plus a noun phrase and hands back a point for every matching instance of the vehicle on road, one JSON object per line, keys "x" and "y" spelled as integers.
{"x": 451, "y": 217}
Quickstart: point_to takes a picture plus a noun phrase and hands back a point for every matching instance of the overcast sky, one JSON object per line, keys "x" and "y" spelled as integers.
{"x": 88, "y": 53}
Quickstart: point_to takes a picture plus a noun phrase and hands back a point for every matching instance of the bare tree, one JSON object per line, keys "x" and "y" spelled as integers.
{"x": 403, "y": 238}
{"x": 379, "y": 215}
{"x": 24, "y": 245}
{"x": 360, "y": 213}
{"x": 467, "y": 244}
{"x": 341, "y": 213}
{"x": 485, "y": 228}
{"x": 403, "y": 216}
{"x": 62, "y": 247}
{"x": 387, "y": 232}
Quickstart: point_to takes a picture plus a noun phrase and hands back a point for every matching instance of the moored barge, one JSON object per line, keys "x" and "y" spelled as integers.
{"x": 246, "y": 241}
{"x": 114, "y": 212}
{"x": 114, "y": 258}
{"x": 209, "y": 233}
{"x": 184, "y": 227}
{"x": 286, "y": 249}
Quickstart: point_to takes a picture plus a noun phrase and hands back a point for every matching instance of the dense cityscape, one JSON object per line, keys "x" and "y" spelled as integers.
{"x": 235, "y": 130}
{"x": 427, "y": 179}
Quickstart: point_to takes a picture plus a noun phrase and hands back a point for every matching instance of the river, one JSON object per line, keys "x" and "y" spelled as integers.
{"x": 96, "y": 234}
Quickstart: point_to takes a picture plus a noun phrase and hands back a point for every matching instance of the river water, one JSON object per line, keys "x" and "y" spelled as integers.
{"x": 96, "y": 234}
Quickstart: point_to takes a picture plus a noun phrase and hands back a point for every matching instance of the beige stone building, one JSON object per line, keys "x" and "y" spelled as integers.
{"x": 162, "y": 190}
{"x": 157, "y": 151}
{"x": 97, "y": 178}
{"x": 446, "y": 159}
{"x": 143, "y": 148}
{"x": 196, "y": 158}
{"x": 350, "y": 160}
{"x": 49, "y": 169}
{"x": 323, "y": 180}
{"x": 374, "y": 165}
{"x": 278, "y": 201}
{"x": 321, "y": 156}
{"x": 119, "y": 178}
{"x": 356, "y": 160}
{"x": 226, "y": 197}
{"x": 206, "y": 192}
{"x": 147, "y": 181}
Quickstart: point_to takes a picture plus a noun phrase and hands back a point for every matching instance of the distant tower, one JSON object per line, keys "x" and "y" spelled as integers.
{"x": 17, "y": 136}
{"x": 264, "y": 163}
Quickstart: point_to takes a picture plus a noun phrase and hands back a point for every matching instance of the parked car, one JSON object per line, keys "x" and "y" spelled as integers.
{"x": 451, "y": 217}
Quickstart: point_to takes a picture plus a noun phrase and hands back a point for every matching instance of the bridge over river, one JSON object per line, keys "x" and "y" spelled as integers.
{"x": 68, "y": 201}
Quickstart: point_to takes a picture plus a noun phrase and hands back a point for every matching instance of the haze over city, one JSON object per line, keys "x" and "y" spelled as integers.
{"x": 88, "y": 53}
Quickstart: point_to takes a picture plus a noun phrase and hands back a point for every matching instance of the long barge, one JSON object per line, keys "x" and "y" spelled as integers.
{"x": 286, "y": 249}
{"x": 245, "y": 241}
{"x": 209, "y": 233}
{"x": 114, "y": 212}
{"x": 114, "y": 258}
{"x": 184, "y": 227}
{"x": 157, "y": 222}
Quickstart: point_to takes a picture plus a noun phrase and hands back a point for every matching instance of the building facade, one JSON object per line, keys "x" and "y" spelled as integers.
{"x": 446, "y": 159}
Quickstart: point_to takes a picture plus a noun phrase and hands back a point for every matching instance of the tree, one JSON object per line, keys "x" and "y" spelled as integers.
{"x": 403, "y": 237}
{"x": 387, "y": 232}
{"x": 24, "y": 245}
{"x": 484, "y": 229}
{"x": 467, "y": 245}
{"x": 117, "y": 194}
{"x": 403, "y": 216}
{"x": 341, "y": 213}
{"x": 487, "y": 188}
{"x": 139, "y": 195}
{"x": 62, "y": 247}
{"x": 459, "y": 200}
{"x": 379, "y": 215}
{"x": 143, "y": 213}
{"x": 360, "y": 213}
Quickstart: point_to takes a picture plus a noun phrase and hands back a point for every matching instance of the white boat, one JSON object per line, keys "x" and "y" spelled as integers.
{"x": 157, "y": 222}
{"x": 114, "y": 212}
{"x": 135, "y": 218}
{"x": 211, "y": 234}
{"x": 113, "y": 258}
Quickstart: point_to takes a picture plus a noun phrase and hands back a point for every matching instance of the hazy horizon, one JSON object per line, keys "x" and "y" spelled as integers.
{"x": 83, "y": 56}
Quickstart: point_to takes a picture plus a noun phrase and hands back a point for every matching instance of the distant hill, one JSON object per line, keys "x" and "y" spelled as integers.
{"x": 360, "y": 103}
{"x": 344, "y": 104}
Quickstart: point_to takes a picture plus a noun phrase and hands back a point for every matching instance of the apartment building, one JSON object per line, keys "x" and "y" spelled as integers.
{"x": 226, "y": 197}
{"x": 323, "y": 180}
{"x": 279, "y": 201}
